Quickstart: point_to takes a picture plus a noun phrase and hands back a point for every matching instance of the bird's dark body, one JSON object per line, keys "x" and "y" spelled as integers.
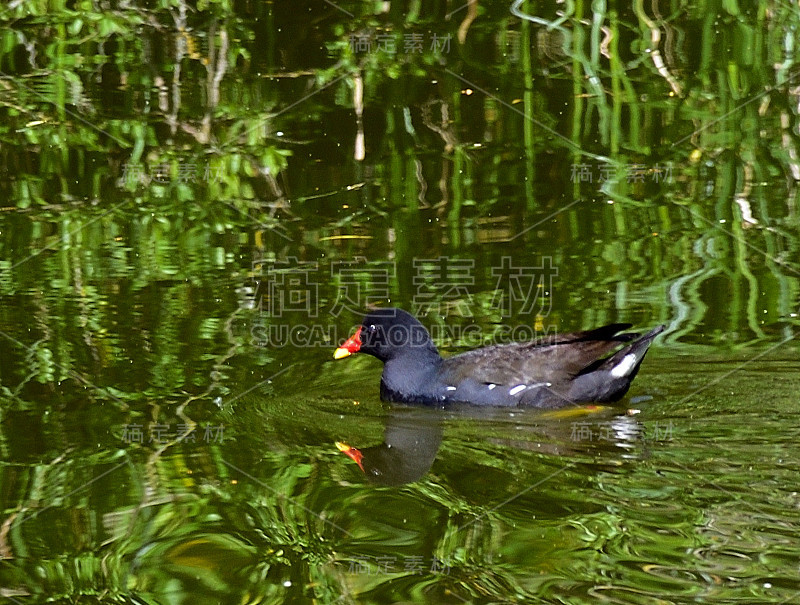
{"x": 552, "y": 372}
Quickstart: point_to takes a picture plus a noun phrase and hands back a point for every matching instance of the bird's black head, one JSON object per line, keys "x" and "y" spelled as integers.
{"x": 387, "y": 334}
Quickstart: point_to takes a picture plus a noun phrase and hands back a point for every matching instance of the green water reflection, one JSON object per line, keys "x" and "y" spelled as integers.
{"x": 200, "y": 199}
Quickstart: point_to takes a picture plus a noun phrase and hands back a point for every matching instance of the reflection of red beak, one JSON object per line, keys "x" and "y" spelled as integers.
{"x": 352, "y": 453}
{"x": 350, "y": 346}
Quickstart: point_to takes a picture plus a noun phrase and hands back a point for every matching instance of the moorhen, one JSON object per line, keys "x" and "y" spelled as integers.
{"x": 550, "y": 372}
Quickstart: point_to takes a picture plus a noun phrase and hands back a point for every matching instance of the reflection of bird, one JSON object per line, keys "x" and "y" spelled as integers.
{"x": 550, "y": 372}
{"x": 412, "y": 437}
{"x": 410, "y": 443}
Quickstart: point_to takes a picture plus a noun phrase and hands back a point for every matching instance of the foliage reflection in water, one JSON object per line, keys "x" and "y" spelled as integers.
{"x": 200, "y": 202}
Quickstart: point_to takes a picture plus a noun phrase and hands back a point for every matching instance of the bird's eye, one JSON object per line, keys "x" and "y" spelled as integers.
{"x": 372, "y": 328}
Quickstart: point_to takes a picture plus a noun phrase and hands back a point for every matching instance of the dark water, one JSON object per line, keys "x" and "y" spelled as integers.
{"x": 197, "y": 203}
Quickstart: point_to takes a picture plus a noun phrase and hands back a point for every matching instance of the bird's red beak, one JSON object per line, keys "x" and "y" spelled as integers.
{"x": 351, "y": 453}
{"x": 350, "y": 346}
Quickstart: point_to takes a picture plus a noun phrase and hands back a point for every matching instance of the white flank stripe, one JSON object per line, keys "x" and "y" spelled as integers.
{"x": 624, "y": 367}
{"x": 518, "y": 389}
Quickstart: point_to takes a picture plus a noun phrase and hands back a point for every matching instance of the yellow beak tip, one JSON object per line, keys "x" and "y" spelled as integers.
{"x": 341, "y": 353}
{"x": 342, "y": 447}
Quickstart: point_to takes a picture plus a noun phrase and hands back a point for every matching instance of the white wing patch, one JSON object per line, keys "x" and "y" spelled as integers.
{"x": 624, "y": 367}
{"x": 521, "y": 387}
